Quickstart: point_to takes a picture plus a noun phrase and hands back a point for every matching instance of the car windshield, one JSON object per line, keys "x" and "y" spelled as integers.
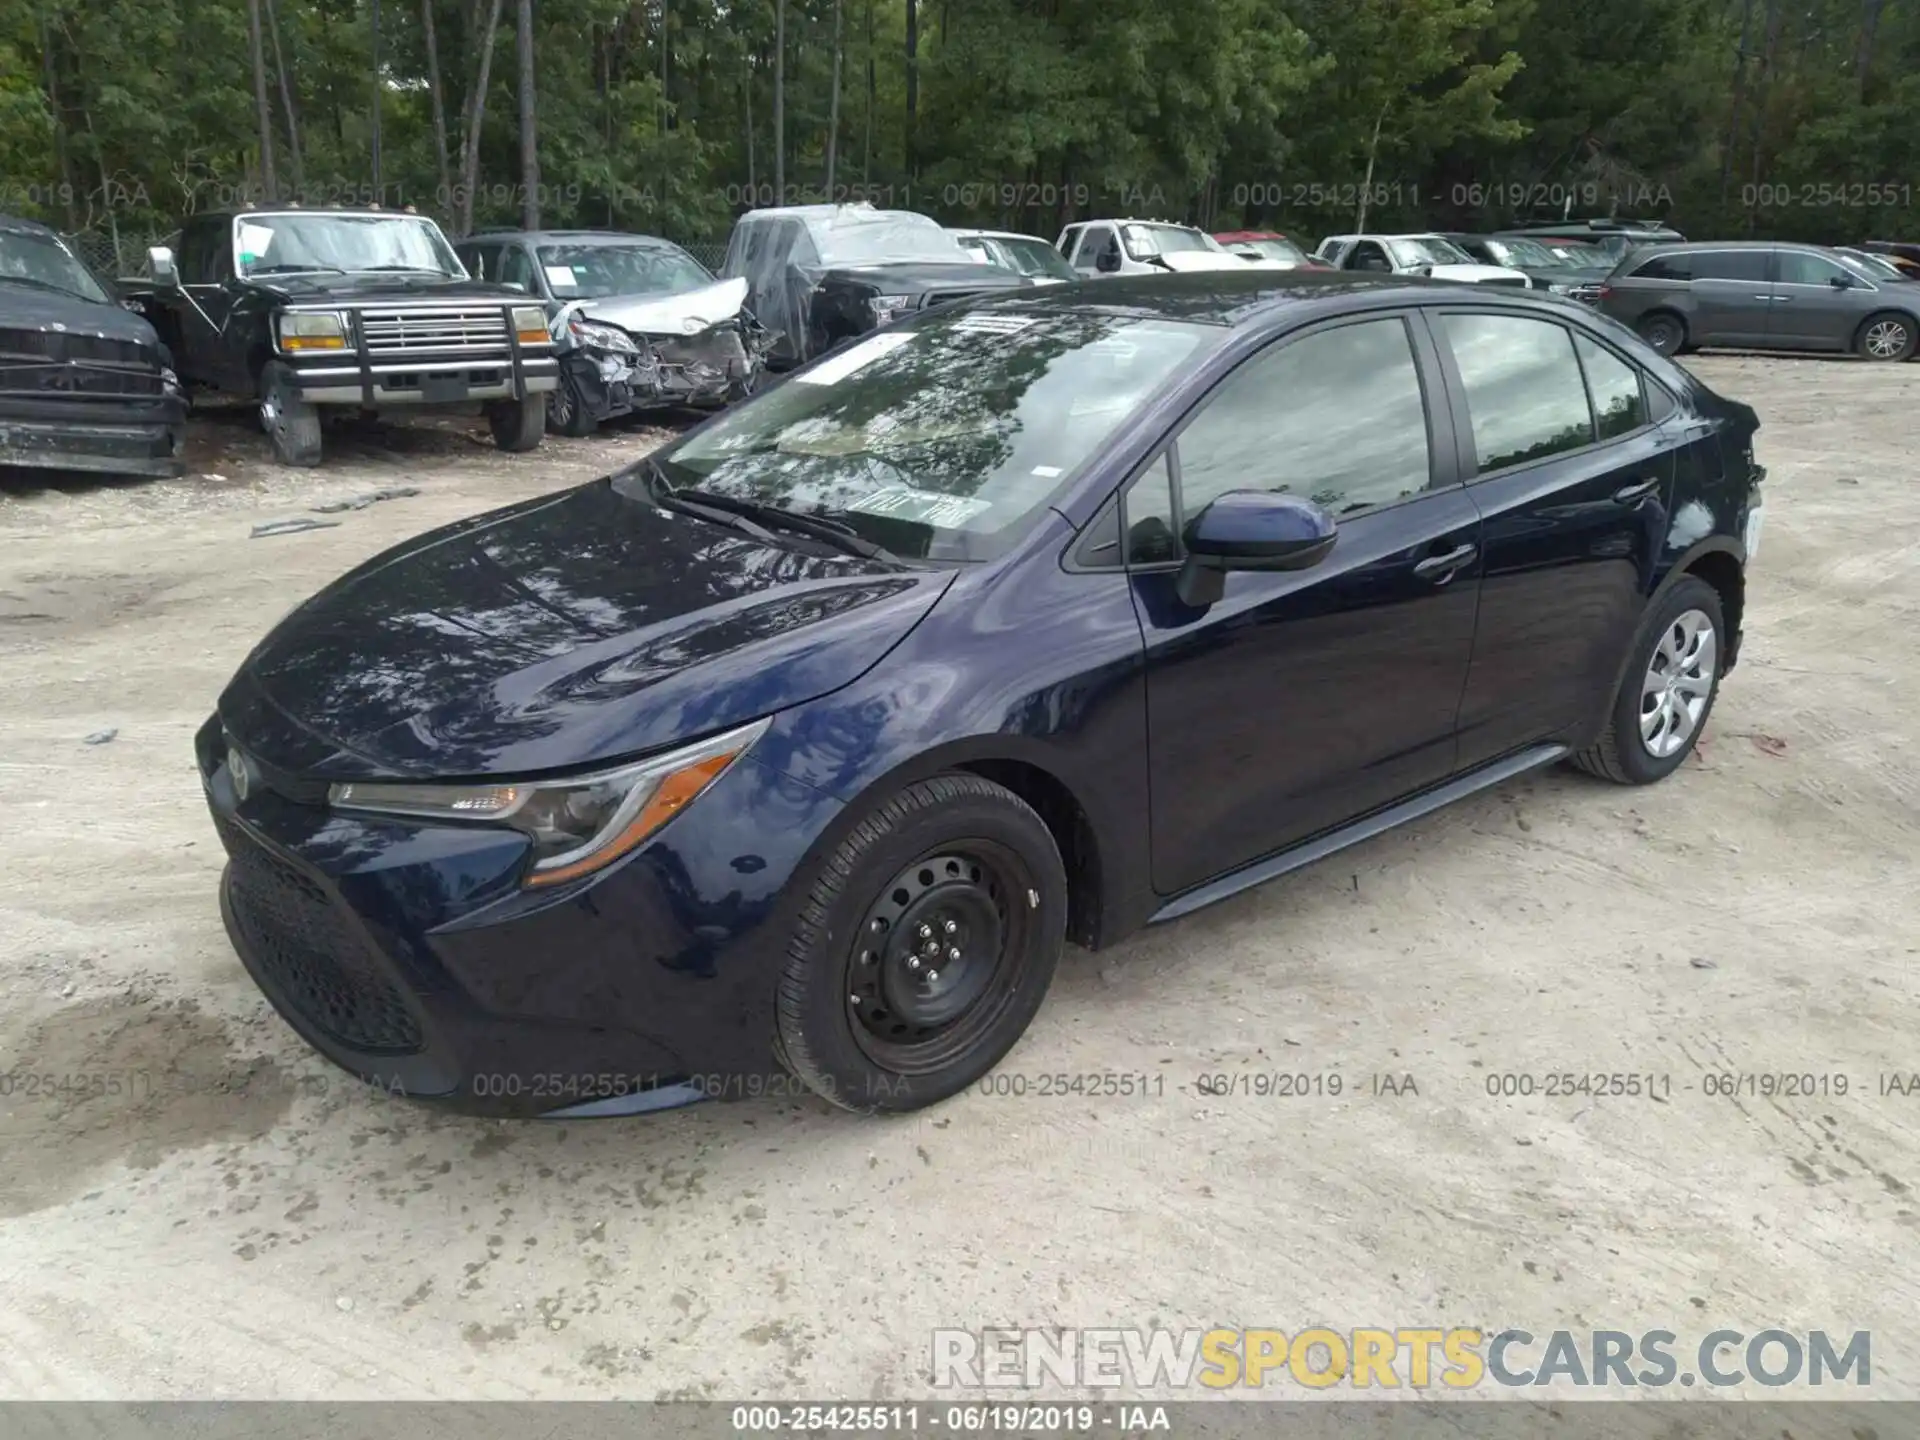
{"x": 278, "y": 244}
{"x": 1145, "y": 241}
{"x": 1520, "y": 251}
{"x": 1871, "y": 266}
{"x": 1427, "y": 250}
{"x": 1273, "y": 247}
{"x": 1033, "y": 256}
{"x": 593, "y": 270}
{"x": 943, "y": 439}
{"x": 881, "y": 236}
{"x": 44, "y": 262}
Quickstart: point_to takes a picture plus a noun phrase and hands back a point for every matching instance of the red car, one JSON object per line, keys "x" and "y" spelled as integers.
{"x": 1269, "y": 245}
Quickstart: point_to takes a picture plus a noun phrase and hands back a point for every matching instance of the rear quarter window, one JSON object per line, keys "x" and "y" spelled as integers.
{"x": 1663, "y": 267}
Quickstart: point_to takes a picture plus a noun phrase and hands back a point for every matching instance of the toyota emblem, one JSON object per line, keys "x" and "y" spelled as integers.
{"x": 237, "y": 772}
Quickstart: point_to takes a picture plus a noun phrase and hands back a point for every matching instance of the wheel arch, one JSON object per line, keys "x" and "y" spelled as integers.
{"x": 1886, "y": 312}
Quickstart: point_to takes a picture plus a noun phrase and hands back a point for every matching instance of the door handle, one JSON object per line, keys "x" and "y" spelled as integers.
{"x": 1636, "y": 492}
{"x": 1781, "y": 298}
{"x": 1442, "y": 567}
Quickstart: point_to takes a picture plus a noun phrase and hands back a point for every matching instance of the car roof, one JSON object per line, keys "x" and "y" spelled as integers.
{"x": 574, "y": 235}
{"x": 1236, "y": 299}
{"x": 993, "y": 234}
{"x": 19, "y": 225}
{"x": 1130, "y": 220}
{"x": 357, "y": 211}
{"x": 1224, "y": 235}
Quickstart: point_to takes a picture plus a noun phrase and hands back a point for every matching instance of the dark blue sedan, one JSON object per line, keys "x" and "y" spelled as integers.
{"x": 793, "y": 755}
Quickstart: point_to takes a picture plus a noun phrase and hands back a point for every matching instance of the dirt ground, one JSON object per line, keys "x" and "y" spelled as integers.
{"x": 236, "y": 1221}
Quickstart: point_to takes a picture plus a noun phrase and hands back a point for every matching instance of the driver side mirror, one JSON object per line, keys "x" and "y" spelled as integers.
{"x": 1251, "y": 530}
{"x": 1840, "y": 282}
{"x": 1107, "y": 261}
{"x": 160, "y": 262}
{"x": 518, "y": 286}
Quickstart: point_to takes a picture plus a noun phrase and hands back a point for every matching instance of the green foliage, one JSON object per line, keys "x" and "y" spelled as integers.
{"x": 122, "y": 115}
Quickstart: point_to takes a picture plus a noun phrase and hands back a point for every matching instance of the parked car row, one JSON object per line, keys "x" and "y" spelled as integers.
{"x": 308, "y": 312}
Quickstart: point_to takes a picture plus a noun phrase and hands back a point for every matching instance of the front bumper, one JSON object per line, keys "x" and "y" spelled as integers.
{"x": 376, "y": 381}
{"x": 408, "y": 954}
{"x": 135, "y": 438}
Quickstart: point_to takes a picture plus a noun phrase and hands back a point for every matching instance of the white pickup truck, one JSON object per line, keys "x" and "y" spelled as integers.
{"x": 1429, "y": 255}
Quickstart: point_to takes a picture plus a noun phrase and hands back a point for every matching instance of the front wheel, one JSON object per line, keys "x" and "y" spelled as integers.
{"x": 1667, "y": 692}
{"x": 292, "y": 425}
{"x": 567, "y": 413}
{"x": 924, "y": 946}
{"x": 1885, "y": 337}
{"x": 517, "y": 425}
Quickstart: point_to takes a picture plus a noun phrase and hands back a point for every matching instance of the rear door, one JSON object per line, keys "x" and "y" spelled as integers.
{"x": 1732, "y": 293}
{"x": 1573, "y": 481}
{"x": 1810, "y": 311}
{"x": 1301, "y": 700}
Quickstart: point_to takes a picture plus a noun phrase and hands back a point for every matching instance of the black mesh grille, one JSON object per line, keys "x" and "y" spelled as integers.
{"x": 313, "y": 954}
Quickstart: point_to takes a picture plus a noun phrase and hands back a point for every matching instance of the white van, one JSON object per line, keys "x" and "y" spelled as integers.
{"x": 1148, "y": 247}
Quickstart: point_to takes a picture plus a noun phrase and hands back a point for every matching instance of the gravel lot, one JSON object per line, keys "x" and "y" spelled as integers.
{"x": 239, "y": 1222}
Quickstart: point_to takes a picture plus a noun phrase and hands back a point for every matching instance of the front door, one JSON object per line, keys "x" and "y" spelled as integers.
{"x": 204, "y": 303}
{"x": 1818, "y": 304}
{"x": 1302, "y": 700}
{"x": 1574, "y": 485}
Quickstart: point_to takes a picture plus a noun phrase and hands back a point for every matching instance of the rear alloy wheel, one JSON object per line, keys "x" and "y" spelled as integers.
{"x": 1885, "y": 337}
{"x": 925, "y": 947}
{"x": 517, "y": 425}
{"x": 1663, "y": 333}
{"x": 292, "y": 425}
{"x": 1667, "y": 692}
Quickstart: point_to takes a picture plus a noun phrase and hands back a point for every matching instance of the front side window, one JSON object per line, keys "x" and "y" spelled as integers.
{"x": 1525, "y": 395}
{"x": 1797, "y": 267}
{"x": 943, "y": 439}
{"x": 590, "y": 271}
{"x": 1036, "y": 257}
{"x": 1337, "y": 416}
{"x": 1614, "y": 387}
{"x": 43, "y": 262}
{"x": 1369, "y": 256}
{"x": 1152, "y": 533}
{"x": 516, "y": 268}
{"x": 282, "y": 244}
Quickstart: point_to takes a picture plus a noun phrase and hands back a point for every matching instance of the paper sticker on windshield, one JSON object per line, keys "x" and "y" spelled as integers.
{"x": 254, "y": 240}
{"x": 836, "y": 368}
{"x": 924, "y": 507}
{"x": 560, "y": 277}
{"x": 987, "y": 323}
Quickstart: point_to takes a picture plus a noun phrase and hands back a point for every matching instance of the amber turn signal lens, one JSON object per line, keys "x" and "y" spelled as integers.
{"x": 672, "y": 795}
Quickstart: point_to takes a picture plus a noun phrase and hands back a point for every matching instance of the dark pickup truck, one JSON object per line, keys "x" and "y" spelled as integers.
{"x": 364, "y": 310}
{"x": 84, "y": 384}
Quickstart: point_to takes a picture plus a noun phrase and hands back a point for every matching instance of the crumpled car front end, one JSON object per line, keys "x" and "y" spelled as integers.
{"x": 701, "y": 347}
{"x": 98, "y": 403}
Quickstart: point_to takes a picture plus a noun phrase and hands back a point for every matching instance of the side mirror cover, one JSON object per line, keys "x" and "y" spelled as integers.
{"x": 1252, "y": 530}
{"x": 160, "y": 262}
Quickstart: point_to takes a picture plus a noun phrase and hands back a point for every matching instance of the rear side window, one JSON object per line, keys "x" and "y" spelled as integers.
{"x": 1664, "y": 267}
{"x": 1730, "y": 265}
{"x": 1614, "y": 385}
{"x": 1525, "y": 394}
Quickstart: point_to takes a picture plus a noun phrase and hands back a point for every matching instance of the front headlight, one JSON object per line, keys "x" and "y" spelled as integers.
{"x": 579, "y": 823}
{"x": 313, "y": 330}
{"x": 601, "y": 337}
{"x": 1559, "y": 289}
{"x": 886, "y": 307}
{"x": 531, "y": 323}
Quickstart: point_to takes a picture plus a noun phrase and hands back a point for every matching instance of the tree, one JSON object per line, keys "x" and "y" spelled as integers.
{"x": 262, "y": 110}
{"x": 529, "y": 144}
{"x": 476, "y": 112}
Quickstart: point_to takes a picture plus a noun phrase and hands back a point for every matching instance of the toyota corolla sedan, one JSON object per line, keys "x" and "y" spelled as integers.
{"x": 792, "y": 755}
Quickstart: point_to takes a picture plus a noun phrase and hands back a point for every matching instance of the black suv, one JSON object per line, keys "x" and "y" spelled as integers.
{"x": 367, "y": 309}
{"x": 1539, "y": 262}
{"x": 819, "y": 274}
{"x": 1761, "y": 295}
{"x": 1614, "y": 239}
{"x": 84, "y": 384}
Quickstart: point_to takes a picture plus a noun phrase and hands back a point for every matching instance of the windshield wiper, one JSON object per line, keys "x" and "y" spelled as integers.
{"x": 295, "y": 270}
{"x": 836, "y": 533}
{"x": 409, "y": 269}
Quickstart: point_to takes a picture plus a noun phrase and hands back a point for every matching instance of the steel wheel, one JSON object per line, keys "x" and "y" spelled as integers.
{"x": 1678, "y": 683}
{"x": 930, "y": 968}
{"x": 1662, "y": 333}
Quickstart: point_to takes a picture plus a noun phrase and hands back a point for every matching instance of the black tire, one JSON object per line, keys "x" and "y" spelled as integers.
{"x": 566, "y": 415}
{"x": 517, "y": 425}
{"x": 1886, "y": 335}
{"x": 1664, "y": 332}
{"x": 292, "y": 425}
{"x": 1622, "y": 754}
{"x": 955, "y": 851}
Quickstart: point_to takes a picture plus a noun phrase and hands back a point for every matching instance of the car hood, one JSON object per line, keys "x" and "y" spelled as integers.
{"x": 567, "y": 631}
{"x": 684, "y": 314}
{"x": 915, "y": 275}
{"x": 1476, "y": 274}
{"x": 23, "y": 307}
{"x": 1183, "y": 262}
{"x": 365, "y": 288}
